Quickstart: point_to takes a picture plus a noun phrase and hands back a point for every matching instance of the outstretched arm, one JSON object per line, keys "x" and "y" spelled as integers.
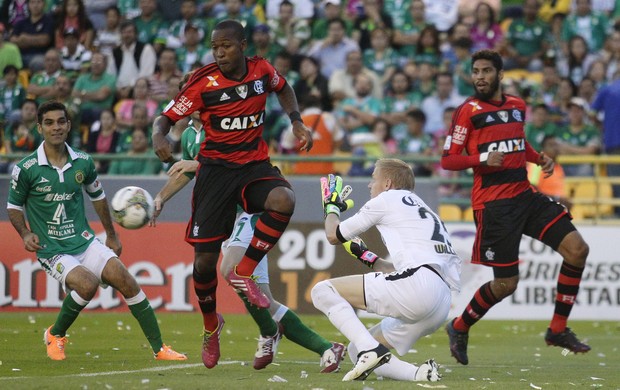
{"x": 176, "y": 181}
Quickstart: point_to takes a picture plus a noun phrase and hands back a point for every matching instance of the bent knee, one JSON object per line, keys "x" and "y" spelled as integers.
{"x": 320, "y": 293}
{"x": 282, "y": 200}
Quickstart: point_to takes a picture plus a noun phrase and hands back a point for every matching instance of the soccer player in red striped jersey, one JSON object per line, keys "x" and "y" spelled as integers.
{"x": 487, "y": 135}
{"x": 230, "y": 95}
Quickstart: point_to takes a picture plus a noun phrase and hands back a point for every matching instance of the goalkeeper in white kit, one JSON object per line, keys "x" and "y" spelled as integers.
{"x": 412, "y": 290}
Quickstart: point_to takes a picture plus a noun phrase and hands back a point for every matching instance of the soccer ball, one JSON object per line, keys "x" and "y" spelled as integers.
{"x": 132, "y": 207}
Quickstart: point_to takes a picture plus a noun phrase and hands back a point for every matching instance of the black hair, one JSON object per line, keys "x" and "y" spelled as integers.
{"x": 417, "y": 115}
{"x": 489, "y": 55}
{"x": 10, "y": 68}
{"x": 234, "y": 26}
{"x": 48, "y": 106}
{"x": 127, "y": 23}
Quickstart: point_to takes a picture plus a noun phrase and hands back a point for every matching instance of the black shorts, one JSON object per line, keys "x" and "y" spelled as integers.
{"x": 218, "y": 191}
{"x": 500, "y": 225}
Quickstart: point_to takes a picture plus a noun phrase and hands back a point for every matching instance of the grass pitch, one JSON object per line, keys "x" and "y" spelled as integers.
{"x": 108, "y": 351}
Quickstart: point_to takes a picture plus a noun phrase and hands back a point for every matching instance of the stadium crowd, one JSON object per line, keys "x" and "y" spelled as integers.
{"x": 384, "y": 76}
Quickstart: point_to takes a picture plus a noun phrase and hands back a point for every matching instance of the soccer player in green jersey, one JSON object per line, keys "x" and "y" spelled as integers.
{"x": 48, "y": 186}
{"x": 276, "y": 321}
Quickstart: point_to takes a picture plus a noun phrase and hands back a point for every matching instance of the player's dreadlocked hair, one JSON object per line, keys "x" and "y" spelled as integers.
{"x": 235, "y": 27}
{"x": 490, "y": 55}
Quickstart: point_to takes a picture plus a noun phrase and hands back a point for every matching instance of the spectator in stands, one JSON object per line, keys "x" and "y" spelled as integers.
{"x": 587, "y": 89}
{"x": 485, "y": 32}
{"x": 462, "y": 71}
{"x": 417, "y": 142}
{"x": 399, "y": 98}
{"x": 550, "y": 8}
{"x": 546, "y": 91}
{"x": 193, "y": 54}
{"x": 428, "y": 47}
{"x": 372, "y": 17}
{"x": 526, "y": 42}
{"x": 593, "y": 26}
{"x": 597, "y": 72}
{"x": 140, "y": 121}
{"x": 447, "y": 190}
{"x": 131, "y": 166}
{"x": 167, "y": 69}
{"x": 551, "y": 185}
{"x": 149, "y": 23}
{"x": 12, "y": 12}
{"x": 75, "y": 58}
{"x": 9, "y": 52}
{"x": 12, "y": 95}
{"x": 434, "y": 105}
{"x": 95, "y": 89}
{"x": 332, "y": 52}
{"x": 103, "y": 139}
{"x": 234, "y": 9}
{"x": 556, "y": 47}
{"x": 304, "y": 9}
{"x": 262, "y": 44}
{"x": 424, "y": 82}
{"x": 312, "y": 83}
{"x": 129, "y": 9}
{"x": 34, "y": 35}
{"x": 22, "y": 136}
{"x": 63, "y": 94}
{"x": 566, "y": 91}
{"x": 409, "y": 32}
{"x": 577, "y": 61}
{"x": 73, "y": 16}
{"x": 41, "y": 86}
{"x": 132, "y": 60}
{"x": 332, "y": 9}
{"x": 382, "y": 131}
{"x": 607, "y": 102}
{"x": 341, "y": 82}
{"x": 140, "y": 96}
{"x": 174, "y": 36}
{"x": 578, "y": 137}
{"x": 381, "y": 57}
{"x": 443, "y": 14}
{"x": 356, "y": 114}
{"x": 539, "y": 126}
{"x": 290, "y": 32}
{"x": 96, "y": 10}
{"x": 109, "y": 37}
{"x": 611, "y": 55}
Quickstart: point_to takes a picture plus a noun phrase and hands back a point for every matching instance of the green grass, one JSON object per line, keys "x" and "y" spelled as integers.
{"x": 108, "y": 351}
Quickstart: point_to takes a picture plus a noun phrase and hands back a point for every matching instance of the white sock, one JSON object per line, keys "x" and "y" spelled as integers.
{"x": 136, "y": 299}
{"x": 394, "y": 369}
{"x": 277, "y": 316}
{"x": 341, "y": 314}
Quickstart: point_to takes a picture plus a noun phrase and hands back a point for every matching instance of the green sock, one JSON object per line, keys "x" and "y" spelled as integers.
{"x": 266, "y": 325}
{"x": 143, "y": 312}
{"x": 299, "y": 333}
{"x": 68, "y": 313}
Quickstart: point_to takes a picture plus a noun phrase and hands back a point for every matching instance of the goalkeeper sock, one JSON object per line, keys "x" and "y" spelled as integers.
{"x": 72, "y": 305}
{"x": 299, "y": 333}
{"x": 267, "y": 232}
{"x": 266, "y": 325}
{"x": 144, "y": 313}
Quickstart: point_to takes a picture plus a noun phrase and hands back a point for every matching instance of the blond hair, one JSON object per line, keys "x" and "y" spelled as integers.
{"x": 398, "y": 171}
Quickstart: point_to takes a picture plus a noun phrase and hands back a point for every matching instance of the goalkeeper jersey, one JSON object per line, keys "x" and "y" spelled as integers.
{"x": 53, "y": 200}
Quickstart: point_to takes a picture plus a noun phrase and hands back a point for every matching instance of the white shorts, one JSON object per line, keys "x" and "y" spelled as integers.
{"x": 242, "y": 236}
{"x": 94, "y": 258}
{"x": 415, "y": 304}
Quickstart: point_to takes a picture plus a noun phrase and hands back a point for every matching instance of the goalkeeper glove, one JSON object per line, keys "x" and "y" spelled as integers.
{"x": 358, "y": 249}
{"x": 334, "y": 196}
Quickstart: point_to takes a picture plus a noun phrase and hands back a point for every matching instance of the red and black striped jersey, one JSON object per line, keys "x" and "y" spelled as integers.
{"x": 232, "y": 111}
{"x": 485, "y": 126}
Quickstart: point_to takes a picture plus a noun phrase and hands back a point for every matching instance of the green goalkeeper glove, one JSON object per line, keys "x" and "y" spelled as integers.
{"x": 334, "y": 196}
{"x": 358, "y": 249}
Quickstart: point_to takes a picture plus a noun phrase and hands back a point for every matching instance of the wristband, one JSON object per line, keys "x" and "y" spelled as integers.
{"x": 332, "y": 209}
{"x": 295, "y": 116}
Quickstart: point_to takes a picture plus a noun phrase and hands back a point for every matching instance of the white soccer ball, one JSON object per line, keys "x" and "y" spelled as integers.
{"x": 132, "y": 207}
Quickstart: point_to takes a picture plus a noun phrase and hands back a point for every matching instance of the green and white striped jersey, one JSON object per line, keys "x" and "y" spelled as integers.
{"x": 54, "y": 201}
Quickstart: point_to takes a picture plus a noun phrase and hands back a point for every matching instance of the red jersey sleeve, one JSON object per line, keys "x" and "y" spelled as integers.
{"x": 276, "y": 81}
{"x": 531, "y": 155}
{"x": 187, "y": 101}
{"x": 460, "y": 132}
